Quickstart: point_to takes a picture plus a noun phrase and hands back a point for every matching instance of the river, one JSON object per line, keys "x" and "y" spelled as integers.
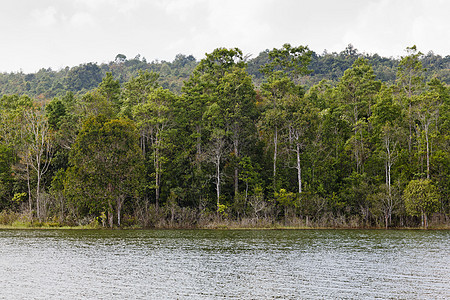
{"x": 224, "y": 264}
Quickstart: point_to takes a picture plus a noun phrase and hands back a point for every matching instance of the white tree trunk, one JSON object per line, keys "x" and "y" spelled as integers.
{"x": 38, "y": 130}
{"x": 275, "y": 144}
{"x": 218, "y": 180}
{"x": 428, "y": 151}
{"x": 236, "y": 169}
{"x": 299, "y": 169}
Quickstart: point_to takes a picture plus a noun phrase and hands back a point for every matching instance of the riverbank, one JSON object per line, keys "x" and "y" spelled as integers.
{"x": 15, "y": 220}
{"x": 215, "y": 226}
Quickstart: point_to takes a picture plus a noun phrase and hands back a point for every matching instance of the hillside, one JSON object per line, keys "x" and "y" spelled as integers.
{"x": 48, "y": 83}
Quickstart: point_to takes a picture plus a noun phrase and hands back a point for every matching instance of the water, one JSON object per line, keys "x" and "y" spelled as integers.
{"x": 206, "y": 264}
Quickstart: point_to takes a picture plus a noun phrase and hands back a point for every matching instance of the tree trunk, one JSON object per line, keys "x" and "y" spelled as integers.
{"x": 285, "y": 215}
{"x": 38, "y": 204}
{"x": 355, "y": 132}
{"x": 39, "y": 158}
{"x": 410, "y": 132}
{"x": 423, "y": 219}
{"x": 119, "y": 209}
{"x": 142, "y": 141}
{"x": 236, "y": 168}
{"x": 218, "y": 181}
{"x": 275, "y": 143}
{"x": 29, "y": 188}
{"x": 198, "y": 143}
{"x": 157, "y": 164}
{"x": 361, "y": 151}
{"x": 246, "y": 191}
{"x": 157, "y": 189}
{"x": 428, "y": 151}
{"x": 386, "y": 220}
{"x": 111, "y": 216}
{"x": 38, "y": 187}
{"x": 389, "y": 180}
{"x": 299, "y": 170}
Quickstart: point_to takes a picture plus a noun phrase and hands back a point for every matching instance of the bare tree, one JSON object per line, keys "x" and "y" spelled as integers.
{"x": 214, "y": 154}
{"x": 37, "y": 150}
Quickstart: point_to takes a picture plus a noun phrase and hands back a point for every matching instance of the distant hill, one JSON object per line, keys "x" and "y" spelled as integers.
{"x": 331, "y": 66}
{"x": 48, "y": 83}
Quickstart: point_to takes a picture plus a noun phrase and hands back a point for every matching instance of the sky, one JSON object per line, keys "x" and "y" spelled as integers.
{"x": 37, "y": 34}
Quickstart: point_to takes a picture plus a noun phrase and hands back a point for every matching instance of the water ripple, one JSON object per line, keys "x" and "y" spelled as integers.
{"x": 203, "y": 264}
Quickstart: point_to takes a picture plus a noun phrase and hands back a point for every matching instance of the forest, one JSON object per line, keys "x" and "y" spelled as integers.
{"x": 289, "y": 138}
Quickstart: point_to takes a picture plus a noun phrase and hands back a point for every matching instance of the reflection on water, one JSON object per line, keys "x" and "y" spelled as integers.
{"x": 206, "y": 264}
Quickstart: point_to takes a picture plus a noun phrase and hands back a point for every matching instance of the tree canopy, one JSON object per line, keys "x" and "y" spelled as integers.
{"x": 289, "y": 137}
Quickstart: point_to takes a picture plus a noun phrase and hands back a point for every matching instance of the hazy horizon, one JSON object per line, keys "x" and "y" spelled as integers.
{"x": 59, "y": 33}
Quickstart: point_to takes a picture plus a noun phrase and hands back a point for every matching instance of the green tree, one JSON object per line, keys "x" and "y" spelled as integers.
{"x": 410, "y": 82}
{"x": 55, "y": 110}
{"x": 282, "y": 72}
{"x": 249, "y": 174}
{"x": 217, "y": 63}
{"x": 201, "y": 90}
{"x": 105, "y": 166}
{"x": 426, "y": 112}
{"x": 217, "y": 102}
{"x": 273, "y": 119}
{"x": 385, "y": 119}
{"x": 83, "y": 77}
{"x": 356, "y": 91}
{"x": 110, "y": 89}
{"x": 6, "y": 179}
{"x": 94, "y": 103}
{"x": 139, "y": 87}
{"x": 383, "y": 203}
{"x": 325, "y": 148}
{"x": 13, "y": 142}
{"x": 288, "y": 200}
{"x": 440, "y": 157}
{"x": 292, "y": 61}
{"x": 302, "y": 119}
{"x": 421, "y": 198}
{"x": 236, "y": 97}
{"x": 137, "y": 91}
{"x": 154, "y": 119}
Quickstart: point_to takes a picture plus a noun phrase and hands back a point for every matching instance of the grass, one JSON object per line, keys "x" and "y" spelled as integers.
{"x": 15, "y": 220}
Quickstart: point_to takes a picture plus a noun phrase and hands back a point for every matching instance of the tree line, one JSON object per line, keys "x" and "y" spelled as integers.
{"x": 232, "y": 147}
{"x": 48, "y": 83}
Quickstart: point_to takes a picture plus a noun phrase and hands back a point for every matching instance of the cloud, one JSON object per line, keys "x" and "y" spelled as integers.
{"x": 82, "y": 19}
{"x": 127, "y": 6}
{"x": 236, "y": 19}
{"x": 51, "y": 16}
{"x": 232, "y": 23}
{"x": 388, "y": 27}
{"x": 430, "y": 28}
{"x": 376, "y": 28}
{"x": 121, "y": 6}
{"x": 182, "y": 9}
{"x": 45, "y": 17}
{"x": 76, "y": 31}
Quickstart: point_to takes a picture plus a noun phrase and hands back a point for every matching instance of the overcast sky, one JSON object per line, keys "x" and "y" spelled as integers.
{"x": 38, "y": 34}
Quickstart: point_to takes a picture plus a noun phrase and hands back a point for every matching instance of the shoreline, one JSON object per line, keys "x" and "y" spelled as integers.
{"x": 217, "y": 228}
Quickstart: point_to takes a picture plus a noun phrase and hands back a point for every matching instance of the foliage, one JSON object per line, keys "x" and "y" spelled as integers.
{"x": 336, "y": 139}
{"x": 421, "y": 197}
{"x": 106, "y": 166}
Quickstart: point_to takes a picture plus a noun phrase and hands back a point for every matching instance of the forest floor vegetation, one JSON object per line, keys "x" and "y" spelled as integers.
{"x": 15, "y": 220}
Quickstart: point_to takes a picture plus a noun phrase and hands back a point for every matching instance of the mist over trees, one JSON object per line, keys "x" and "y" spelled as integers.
{"x": 288, "y": 137}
